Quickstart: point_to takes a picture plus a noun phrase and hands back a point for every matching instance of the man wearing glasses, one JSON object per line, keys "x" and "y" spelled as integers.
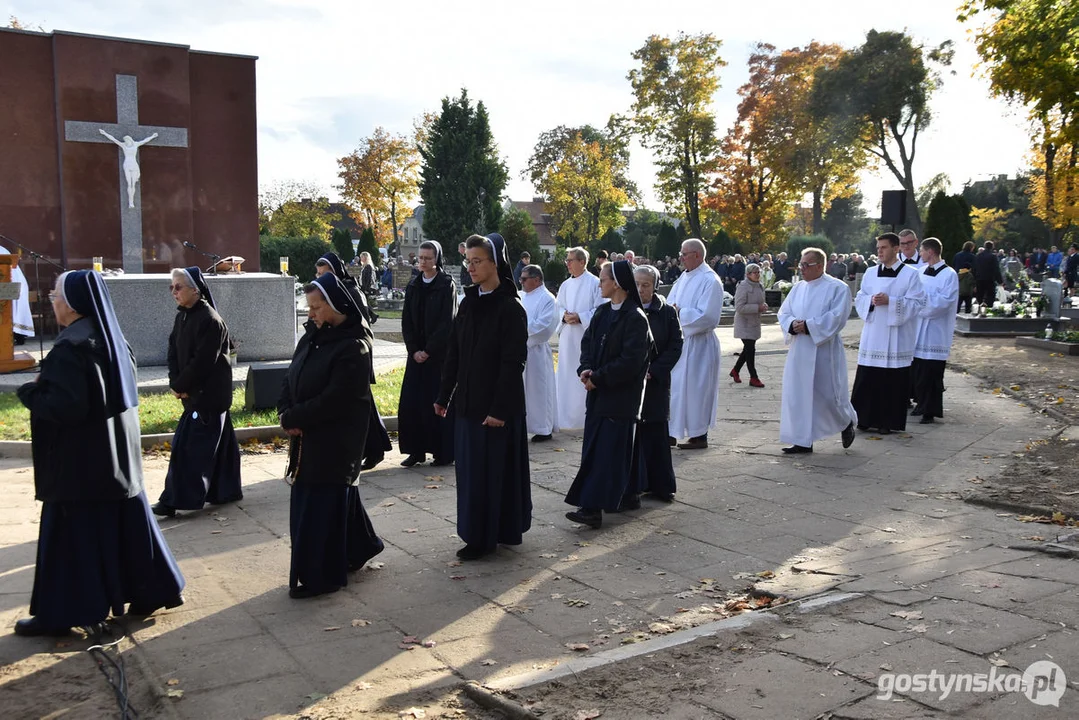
{"x": 908, "y": 249}
{"x": 815, "y": 403}
{"x": 697, "y": 297}
{"x": 578, "y": 298}
{"x": 890, "y": 302}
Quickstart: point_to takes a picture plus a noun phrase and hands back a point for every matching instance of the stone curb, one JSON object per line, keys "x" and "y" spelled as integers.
{"x": 263, "y": 433}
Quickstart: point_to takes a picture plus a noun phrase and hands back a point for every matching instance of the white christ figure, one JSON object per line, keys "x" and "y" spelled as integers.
{"x": 131, "y": 161}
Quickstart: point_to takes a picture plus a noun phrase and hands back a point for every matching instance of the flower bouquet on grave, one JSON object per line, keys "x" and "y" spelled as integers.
{"x": 783, "y": 287}
{"x": 1041, "y": 304}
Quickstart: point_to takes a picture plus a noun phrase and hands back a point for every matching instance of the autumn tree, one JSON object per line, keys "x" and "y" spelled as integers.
{"x": 673, "y": 87}
{"x": 845, "y": 223}
{"x": 1030, "y": 50}
{"x": 883, "y": 88}
{"x": 989, "y": 224}
{"x": 295, "y": 209}
{"x": 582, "y": 197}
{"x": 462, "y": 177}
{"x": 551, "y": 148}
{"x": 520, "y": 235}
{"x": 378, "y": 179}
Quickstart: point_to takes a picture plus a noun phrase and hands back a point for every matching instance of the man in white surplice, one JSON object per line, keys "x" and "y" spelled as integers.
{"x": 22, "y": 320}
{"x": 697, "y": 297}
{"x": 543, "y": 321}
{"x": 815, "y": 396}
{"x": 890, "y": 302}
{"x": 578, "y": 298}
{"x": 934, "y": 336}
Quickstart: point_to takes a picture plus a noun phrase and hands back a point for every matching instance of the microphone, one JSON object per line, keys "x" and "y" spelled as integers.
{"x": 190, "y": 245}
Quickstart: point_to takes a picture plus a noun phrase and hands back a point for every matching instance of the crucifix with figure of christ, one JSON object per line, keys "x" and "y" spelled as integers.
{"x": 127, "y": 127}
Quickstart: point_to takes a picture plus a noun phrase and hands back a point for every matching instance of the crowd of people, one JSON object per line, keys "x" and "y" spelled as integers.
{"x": 637, "y": 373}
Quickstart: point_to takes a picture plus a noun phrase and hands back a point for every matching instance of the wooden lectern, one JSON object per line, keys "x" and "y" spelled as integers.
{"x": 10, "y": 361}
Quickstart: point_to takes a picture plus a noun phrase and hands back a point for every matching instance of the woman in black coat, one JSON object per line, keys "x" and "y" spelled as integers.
{"x": 377, "y": 442}
{"x": 653, "y": 472}
{"x": 615, "y": 351}
{"x": 98, "y": 545}
{"x": 324, "y": 408}
{"x": 204, "y": 466}
{"x": 483, "y": 385}
{"x": 426, "y": 321}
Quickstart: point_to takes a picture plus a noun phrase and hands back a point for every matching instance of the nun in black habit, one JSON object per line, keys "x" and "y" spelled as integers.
{"x": 204, "y": 466}
{"x": 615, "y": 351}
{"x": 98, "y": 545}
{"x": 426, "y": 321}
{"x": 324, "y": 408}
{"x": 483, "y": 383}
{"x": 378, "y": 439}
{"x": 652, "y": 472}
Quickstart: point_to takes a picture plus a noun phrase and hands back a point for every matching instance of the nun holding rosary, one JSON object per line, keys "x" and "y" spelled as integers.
{"x": 204, "y": 466}
{"x": 325, "y": 409}
{"x": 98, "y": 545}
{"x": 483, "y": 384}
{"x": 378, "y": 438}
{"x": 615, "y": 352}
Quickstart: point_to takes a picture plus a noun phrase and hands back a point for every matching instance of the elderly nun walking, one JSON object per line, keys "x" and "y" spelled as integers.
{"x": 483, "y": 384}
{"x": 323, "y": 408}
{"x": 615, "y": 352}
{"x": 204, "y": 466}
{"x": 98, "y": 546}
{"x": 426, "y": 321}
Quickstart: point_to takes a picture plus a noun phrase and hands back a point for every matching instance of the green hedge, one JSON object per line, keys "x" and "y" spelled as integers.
{"x": 798, "y": 243}
{"x": 301, "y": 253}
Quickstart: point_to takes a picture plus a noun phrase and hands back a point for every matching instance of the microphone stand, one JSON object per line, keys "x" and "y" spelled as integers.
{"x": 37, "y": 283}
{"x": 216, "y": 258}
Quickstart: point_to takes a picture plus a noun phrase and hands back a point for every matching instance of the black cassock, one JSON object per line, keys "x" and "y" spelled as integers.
{"x": 879, "y": 396}
{"x": 653, "y": 471}
{"x": 426, "y": 322}
{"x": 616, "y": 348}
{"x": 484, "y": 376}
{"x": 204, "y": 466}
{"x": 327, "y": 395}
{"x": 98, "y": 545}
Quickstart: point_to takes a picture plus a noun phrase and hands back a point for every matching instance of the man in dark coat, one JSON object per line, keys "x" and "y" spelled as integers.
{"x": 426, "y": 322}
{"x": 782, "y": 268}
{"x": 483, "y": 384}
{"x": 615, "y": 352}
{"x": 1071, "y": 268}
{"x": 963, "y": 264}
{"x": 987, "y": 275}
{"x": 204, "y": 465}
{"x": 525, "y": 261}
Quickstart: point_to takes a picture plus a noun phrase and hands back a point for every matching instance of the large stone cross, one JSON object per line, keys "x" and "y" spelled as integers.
{"x": 127, "y": 123}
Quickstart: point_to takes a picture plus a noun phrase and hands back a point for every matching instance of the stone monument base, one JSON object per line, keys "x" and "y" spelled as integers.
{"x": 977, "y": 326}
{"x": 259, "y": 309}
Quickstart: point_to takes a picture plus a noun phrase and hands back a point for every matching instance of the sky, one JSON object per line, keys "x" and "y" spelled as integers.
{"x": 330, "y": 72}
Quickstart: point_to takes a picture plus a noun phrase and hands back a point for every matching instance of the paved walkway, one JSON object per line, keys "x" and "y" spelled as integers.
{"x": 883, "y": 518}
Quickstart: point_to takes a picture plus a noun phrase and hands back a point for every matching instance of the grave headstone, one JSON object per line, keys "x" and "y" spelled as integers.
{"x": 1053, "y": 291}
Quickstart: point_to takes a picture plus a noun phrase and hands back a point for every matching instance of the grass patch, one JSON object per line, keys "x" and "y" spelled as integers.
{"x": 387, "y": 313}
{"x": 158, "y": 412}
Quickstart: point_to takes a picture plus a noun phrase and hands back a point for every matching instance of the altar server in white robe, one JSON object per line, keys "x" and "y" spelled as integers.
{"x": 697, "y": 297}
{"x": 543, "y": 322}
{"x": 816, "y": 400}
{"x": 578, "y": 298}
{"x": 890, "y": 302}
{"x": 908, "y": 250}
{"x": 935, "y": 328}
{"x": 22, "y": 320}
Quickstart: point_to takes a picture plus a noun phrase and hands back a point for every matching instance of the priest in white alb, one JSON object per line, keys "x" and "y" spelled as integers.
{"x": 543, "y": 322}
{"x": 935, "y": 329}
{"x": 578, "y": 298}
{"x": 697, "y": 297}
{"x": 816, "y": 400}
{"x": 21, "y": 318}
{"x": 889, "y": 302}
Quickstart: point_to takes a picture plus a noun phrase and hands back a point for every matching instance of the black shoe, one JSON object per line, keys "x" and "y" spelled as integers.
{"x": 916, "y": 411}
{"x": 672, "y": 441}
{"x": 145, "y": 610}
{"x": 926, "y": 420}
{"x": 883, "y": 431}
{"x": 695, "y": 443}
{"x": 662, "y": 497}
{"x": 33, "y": 627}
{"x": 372, "y": 461}
{"x": 439, "y": 462}
{"x": 541, "y": 438}
{"x": 848, "y": 435}
{"x": 163, "y": 510}
{"x": 591, "y": 518}
{"x": 630, "y": 502}
{"x": 19, "y": 339}
{"x": 797, "y": 449}
{"x": 863, "y": 428}
{"x": 301, "y": 593}
{"x": 414, "y": 460}
{"x": 472, "y": 552}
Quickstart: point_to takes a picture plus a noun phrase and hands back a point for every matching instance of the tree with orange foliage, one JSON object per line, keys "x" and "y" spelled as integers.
{"x": 378, "y": 178}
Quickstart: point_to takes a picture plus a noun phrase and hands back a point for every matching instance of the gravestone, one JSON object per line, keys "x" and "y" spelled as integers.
{"x": 1052, "y": 291}
{"x": 402, "y": 274}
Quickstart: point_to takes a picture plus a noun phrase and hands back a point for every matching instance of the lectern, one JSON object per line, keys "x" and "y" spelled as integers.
{"x": 10, "y": 361}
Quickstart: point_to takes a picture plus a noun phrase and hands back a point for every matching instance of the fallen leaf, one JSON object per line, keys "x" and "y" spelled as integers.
{"x": 998, "y": 661}
{"x": 403, "y": 646}
{"x": 411, "y": 530}
{"x": 432, "y": 487}
{"x": 1035, "y": 538}
{"x": 578, "y": 603}
{"x": 458, "y": 577}
{"x": 579, "y": 647}
{"x": 172, "y": 681}
{"x": 785, "y": 636}
{"x": 661, "y": 628}
{"x": 582, "y": 543}
{"x": 429, "y": 643}
{"x": 766, "y": 574}
{"x": 548, "y": 555}
{"x": 364, "y": 685}
{"x": 331, "y": 628}
{"x": 587, "y": 714}
{"x": 360, "y": 623}
{"x": 434, "y": 478}
{"x": 375, "y": 565}
{"x": 556, "y": 596}
{"x": 918, "y": 628}
{"x": 410, "y": 639}
{"x": 890, "y": 530}
{"x": 488, "y": 662}
{"x": 413, "y": 712}
{"x": 908, "y": 614}
{"x": 175, "y": 694}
